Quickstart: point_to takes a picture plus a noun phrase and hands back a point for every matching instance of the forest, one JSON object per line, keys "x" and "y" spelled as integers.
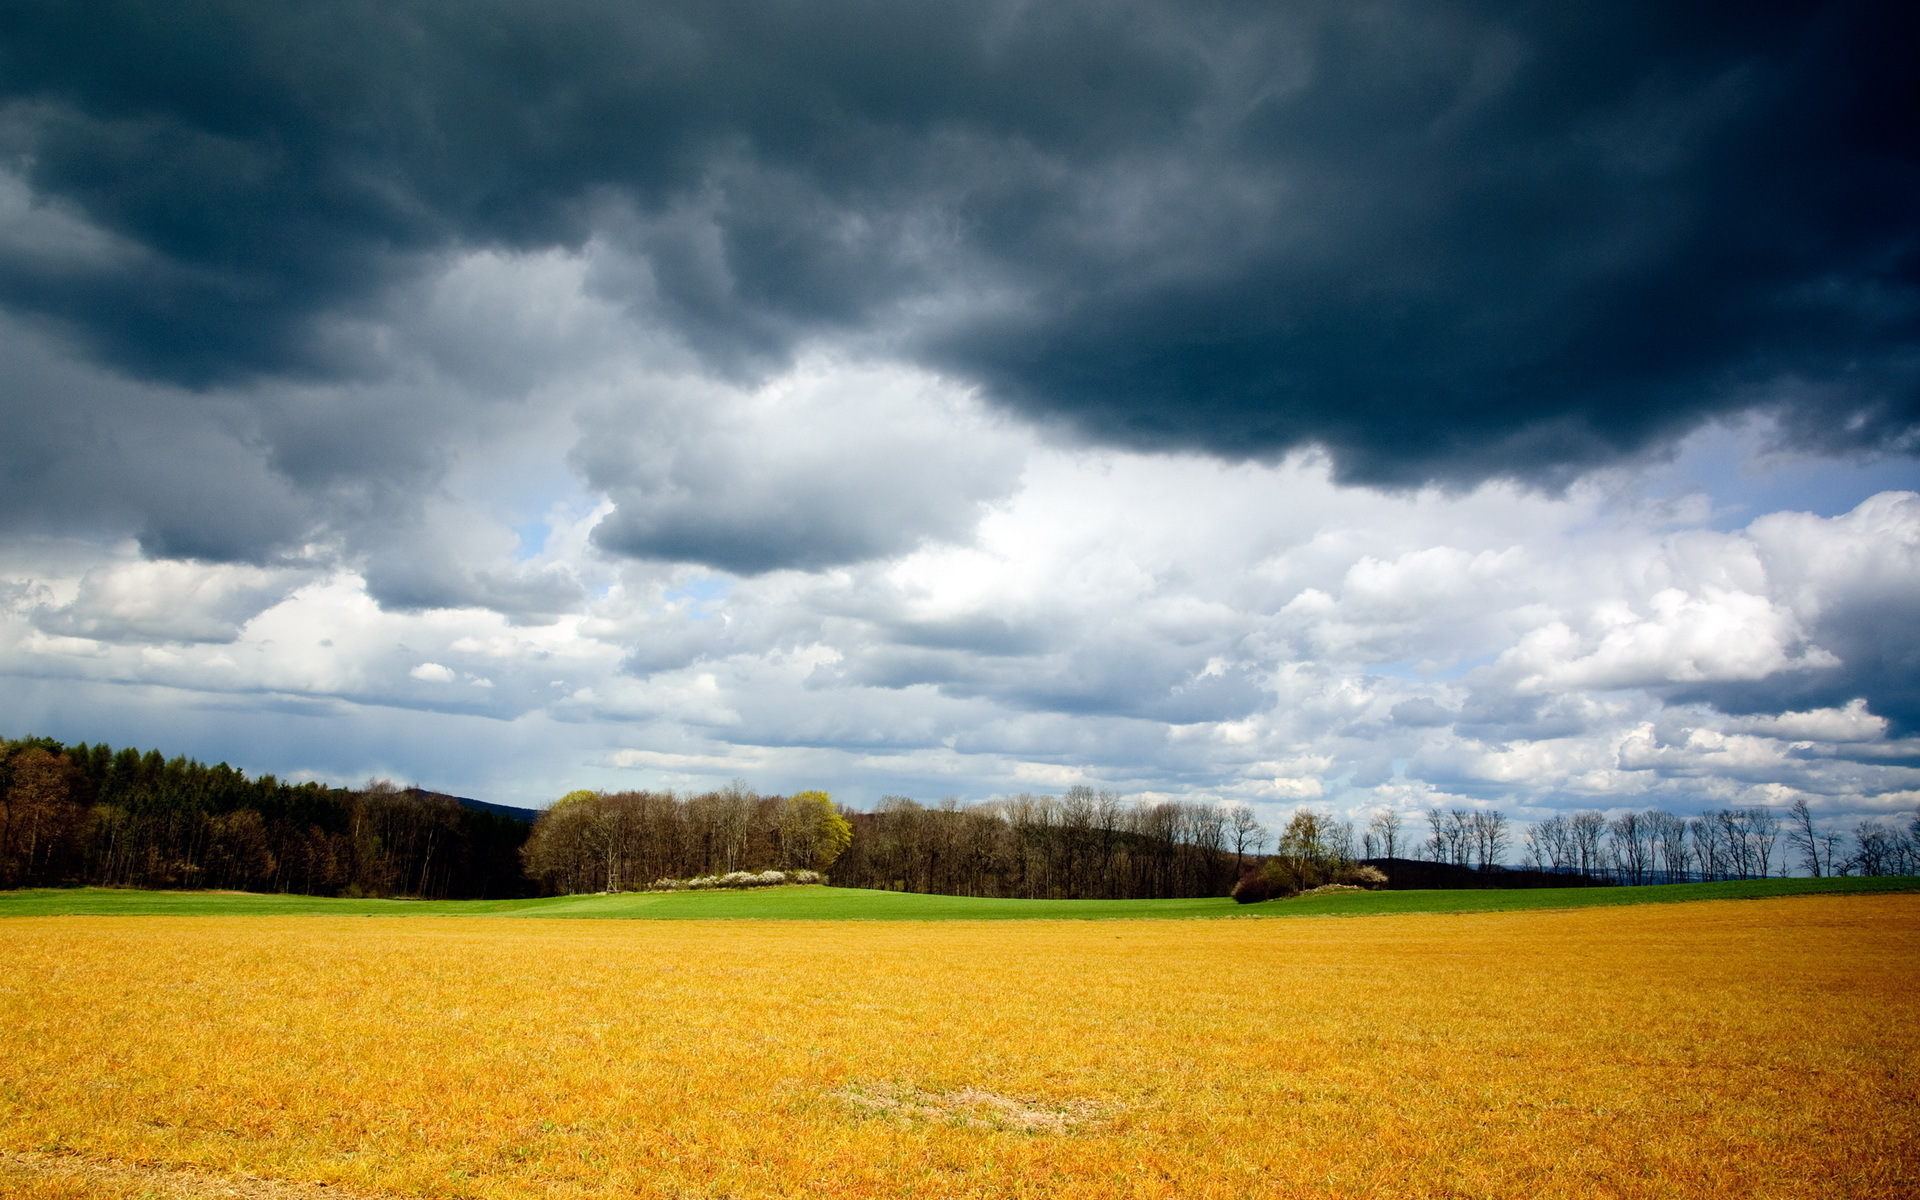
{"x": 1085, "y": 845}
{"x": 91, "y": 815}
{"x": 630, "y": 841}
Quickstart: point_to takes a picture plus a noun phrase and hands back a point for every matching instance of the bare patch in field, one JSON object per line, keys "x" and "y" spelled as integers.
{"x": 110, "y": 1176}
{"x": 978, "y": 1108}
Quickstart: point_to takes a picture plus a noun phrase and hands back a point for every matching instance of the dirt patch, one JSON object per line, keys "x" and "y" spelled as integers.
{"x": 979, "y": 1108}
{"x": 110, "y": 1177}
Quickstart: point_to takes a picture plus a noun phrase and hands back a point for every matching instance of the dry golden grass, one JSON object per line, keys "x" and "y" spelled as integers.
{"x": 33, "y": 1176}
{"x": 1764, "y": 1048}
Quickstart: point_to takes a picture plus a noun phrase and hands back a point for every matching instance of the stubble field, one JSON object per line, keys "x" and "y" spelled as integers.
{"x": 1765, "y": 1047}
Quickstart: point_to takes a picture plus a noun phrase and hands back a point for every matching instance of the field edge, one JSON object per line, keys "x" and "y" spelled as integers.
{"x": 856, "y": 904}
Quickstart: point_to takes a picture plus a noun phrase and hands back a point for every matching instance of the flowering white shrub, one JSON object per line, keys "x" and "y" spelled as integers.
{"x": 1328, "y": 889}
{"x": 737, "y": 879}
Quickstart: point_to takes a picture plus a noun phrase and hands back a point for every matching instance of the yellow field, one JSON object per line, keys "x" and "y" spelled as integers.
{"x": 1760, "y": 1048}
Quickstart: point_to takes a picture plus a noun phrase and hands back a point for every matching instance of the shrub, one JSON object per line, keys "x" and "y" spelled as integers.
{"x": 1328, "y": 889}
{"x": 737, "y": 879}
{"x": 1254, "y": 887}
{"x": 1360, "y": 875}
{"x": 1282, "y": 878}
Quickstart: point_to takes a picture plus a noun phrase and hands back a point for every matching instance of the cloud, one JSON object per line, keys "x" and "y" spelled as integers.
{"x": 166, "y": 601}
{"x": 824, "y": 466}
{"x": 966, "y": 396}
{"x": 91, "y": 454}
{"x": 1682, "y": 638}
{"x": 1423, "y": 712}
{"x": 1441, "y": 243}
{"x": 414, "y": 476}
{"x": 1850, "y": 724}
{"x": 1100, "y": 626}
{"x": 654, "y": 759}
{"x": 1853, "y": 582}
{"x": 1735, "y": 762}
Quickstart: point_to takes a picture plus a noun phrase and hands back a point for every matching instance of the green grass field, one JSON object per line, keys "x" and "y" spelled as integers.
{"x": 853, "y": 904}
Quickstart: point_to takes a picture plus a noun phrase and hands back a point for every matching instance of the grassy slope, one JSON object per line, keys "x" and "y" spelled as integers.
{"x": 821, "y": 903}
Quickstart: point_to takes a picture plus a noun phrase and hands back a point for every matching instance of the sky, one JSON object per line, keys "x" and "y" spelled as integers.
{"x": 1360, "y": 405}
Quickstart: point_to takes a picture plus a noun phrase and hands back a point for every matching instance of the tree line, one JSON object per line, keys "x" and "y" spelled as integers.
{"x": 88, "y": 814}
{"x": 631, "y": 841}
{"x": 1655, "y": 846}
{"x": 1085, "y": 844}
{"x": 91, "y": 815}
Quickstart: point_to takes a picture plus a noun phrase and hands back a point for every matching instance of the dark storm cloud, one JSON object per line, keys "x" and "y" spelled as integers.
{"x": 270, "y": 475}
{"x": 1444, "y": 241}
{"x": 89, "y": 456}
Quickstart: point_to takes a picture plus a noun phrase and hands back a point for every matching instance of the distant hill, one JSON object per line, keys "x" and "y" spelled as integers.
{"x": 529, "y": 815}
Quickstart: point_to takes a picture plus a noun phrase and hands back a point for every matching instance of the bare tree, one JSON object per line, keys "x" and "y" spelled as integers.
{"x": 1079, "y": 813}
{"x": 1632, "y": 847}
{"x": 1763, "y": 825}
{"x": 1487, "y": 831}
{"x": 1533, "y": 854}
{"x": 1247, "y": 835}
{"x": 1802, "y": 836}
{"x": 1337, "y": 839}
{"x": 1877, "y": 850}
{"x": 735, "y": 821}
{"x": 1550, "y": 843}
{"x": 1450, "y": 841}
{"x": 1584, "y": 829}
{"x": 1737, "y": 840}
{"x": 1668, "y": 834}
{"x": 1436, "y": 843}
{"x": 1385, "y": 830}
{"x": 1382, "y": 841}
{"x": 1709, "y": 846}
{"x": 1830, "y": 841}
{"x": 1460, "y": 836}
